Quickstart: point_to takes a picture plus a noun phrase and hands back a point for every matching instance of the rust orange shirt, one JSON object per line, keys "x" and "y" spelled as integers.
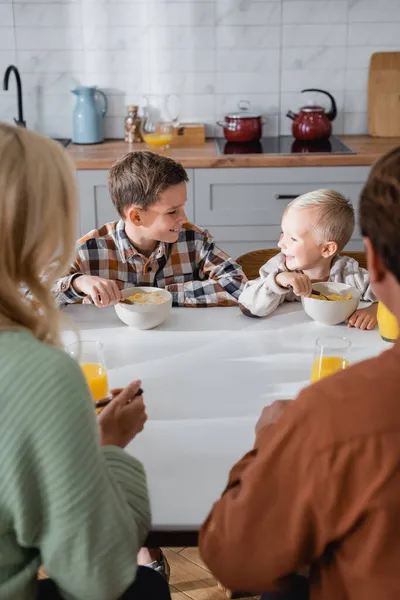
{"x": 321, "y": 487}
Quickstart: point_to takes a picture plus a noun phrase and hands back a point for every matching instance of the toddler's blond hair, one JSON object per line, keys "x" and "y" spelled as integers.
{"x": 335, "y": 217}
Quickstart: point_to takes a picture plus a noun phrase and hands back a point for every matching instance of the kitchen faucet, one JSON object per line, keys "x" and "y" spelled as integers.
{"x": 11, "y": 69}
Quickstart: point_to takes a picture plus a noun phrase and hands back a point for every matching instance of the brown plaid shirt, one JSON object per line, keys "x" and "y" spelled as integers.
{"x": 193, "y": 269}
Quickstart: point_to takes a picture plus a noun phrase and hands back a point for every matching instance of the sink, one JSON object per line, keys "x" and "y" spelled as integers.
{"x": 63, "y": 141}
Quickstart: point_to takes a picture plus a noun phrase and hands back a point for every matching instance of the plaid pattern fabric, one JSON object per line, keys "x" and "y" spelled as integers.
{"x": 193, "y": 269}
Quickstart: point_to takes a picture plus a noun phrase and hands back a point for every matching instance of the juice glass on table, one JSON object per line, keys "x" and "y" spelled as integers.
{"x": 330, "y": 356}
{"x": 90, "y": 356}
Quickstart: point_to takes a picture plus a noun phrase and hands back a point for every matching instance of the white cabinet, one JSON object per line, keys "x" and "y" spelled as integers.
{"x": 242, "y": 208}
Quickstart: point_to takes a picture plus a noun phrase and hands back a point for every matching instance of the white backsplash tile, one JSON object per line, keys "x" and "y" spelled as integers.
{"x": 355, "y": 123}
{"x": 115, "y": 38}
{"x": 174, "y": 61}
{"x": 114, "y": 128}
{"x": 118, "y": 14}
{"x": 271, "y": 126}
{"x": 357, "y": 79}
{"x": 54, "y": 61}
{"x": 8, "y": 108}
{"x": 59, "y": 84}
{"x": 327, "y": 79}
{"x": 212, "y": 53}
{"x": 7, "y": 38}
{"x": 374, "y": 11}
{"x": 115, "y": 61}
{"x": 182, "y": 83}
{"x": 309, "y": 11}
{"x": 248, "y": 37}
{"x": 6, "y": 15}
{"x": 244, "y": 13}
{"x": 247, "y": 61}
{"x": 182, "y": 38}
{"x": 250, "y": 83}
{"x": 48, "y": 38}
{"x": 367, "y": 34}
{"x": 314, "y": 35}
{"x": 197, "y": 107}
{"x": 358, "y": 57}
{"x": 181, "y": 13}
{"x": 316, "y": 57}
{"x": 354, "y": 102}
{"x": 47, "y": 15}
{"x": 338, "y": 126}
{"x": 7, "y": 57}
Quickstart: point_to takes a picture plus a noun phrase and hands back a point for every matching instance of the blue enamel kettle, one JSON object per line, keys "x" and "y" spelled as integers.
{"x": 88, "y": 117}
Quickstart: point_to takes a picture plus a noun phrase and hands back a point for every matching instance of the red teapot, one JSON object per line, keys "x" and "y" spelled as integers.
{"x": 312, "y": 122}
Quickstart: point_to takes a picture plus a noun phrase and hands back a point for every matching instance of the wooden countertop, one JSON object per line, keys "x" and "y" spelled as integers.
{"x": 366, "y": 150}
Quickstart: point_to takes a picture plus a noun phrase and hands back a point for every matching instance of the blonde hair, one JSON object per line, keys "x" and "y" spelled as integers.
{"x": 38, "y": 206}
{"x": 335, "y": 220}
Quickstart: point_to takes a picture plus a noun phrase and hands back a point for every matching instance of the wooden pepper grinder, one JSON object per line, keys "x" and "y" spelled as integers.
{"x": 132, "y": 125}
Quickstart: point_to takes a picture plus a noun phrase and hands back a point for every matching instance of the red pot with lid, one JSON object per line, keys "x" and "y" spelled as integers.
{"x": 244, "y": 125}
{"x": 312, "y": 122}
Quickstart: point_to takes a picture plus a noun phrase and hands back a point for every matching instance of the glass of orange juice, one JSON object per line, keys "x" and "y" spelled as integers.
{"x": 330, "y": 356}
{"x": 90, "y": 356}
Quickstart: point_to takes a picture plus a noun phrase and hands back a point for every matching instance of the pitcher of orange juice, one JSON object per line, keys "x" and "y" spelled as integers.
{"x": 90, "y": 356}
{"x": 387, "y": 323}
{"x": 160, "y": 118}
{"x": 330, "y": 356}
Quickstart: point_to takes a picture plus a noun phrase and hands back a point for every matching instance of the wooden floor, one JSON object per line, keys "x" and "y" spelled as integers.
{"x": 190, "y": 578}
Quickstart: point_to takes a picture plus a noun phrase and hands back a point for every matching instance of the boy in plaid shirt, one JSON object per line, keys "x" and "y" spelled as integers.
{"x": 152, "y": 244}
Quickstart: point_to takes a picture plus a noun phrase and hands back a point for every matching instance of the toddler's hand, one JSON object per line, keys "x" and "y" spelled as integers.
{"x": 364, "y": 318}
{"x": 298, "y": 282}
{"x": 103, "y": 292}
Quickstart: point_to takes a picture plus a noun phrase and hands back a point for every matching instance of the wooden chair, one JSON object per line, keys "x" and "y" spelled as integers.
{"x": 251, "y": 262}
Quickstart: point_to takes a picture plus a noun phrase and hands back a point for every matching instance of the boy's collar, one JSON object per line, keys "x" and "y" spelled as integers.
{"x": 127, "y": 250}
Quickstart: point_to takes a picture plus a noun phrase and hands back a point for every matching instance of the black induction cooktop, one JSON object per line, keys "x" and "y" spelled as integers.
{"x": 283, "y": 144}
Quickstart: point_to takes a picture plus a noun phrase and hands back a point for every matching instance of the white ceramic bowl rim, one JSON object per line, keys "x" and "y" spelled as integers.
{"x": 333, "y": 287}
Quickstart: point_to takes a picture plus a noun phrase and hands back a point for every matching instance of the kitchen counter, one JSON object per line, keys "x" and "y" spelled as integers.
{"x": 366, "y": 149}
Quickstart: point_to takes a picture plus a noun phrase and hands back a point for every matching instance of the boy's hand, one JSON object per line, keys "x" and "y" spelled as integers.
{"x": 103, "y": 292}
{"x": 298, "y": 282}
{"x": 364, "y": 318}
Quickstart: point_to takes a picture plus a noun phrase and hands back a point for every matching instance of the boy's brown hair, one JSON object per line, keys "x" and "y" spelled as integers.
{"x": 380, "y": 210}
{"x": 140, "y": 177}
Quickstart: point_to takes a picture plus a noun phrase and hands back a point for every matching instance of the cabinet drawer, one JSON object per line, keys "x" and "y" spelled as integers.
{"x": 260, "y": 196}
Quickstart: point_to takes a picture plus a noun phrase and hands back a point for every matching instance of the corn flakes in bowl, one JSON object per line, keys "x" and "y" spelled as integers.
{"x": 150, "y": 307}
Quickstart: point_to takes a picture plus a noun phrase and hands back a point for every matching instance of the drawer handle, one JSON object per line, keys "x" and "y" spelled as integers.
{"x": 286, "y": 196}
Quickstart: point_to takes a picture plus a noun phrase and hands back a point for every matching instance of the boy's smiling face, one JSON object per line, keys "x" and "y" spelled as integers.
{"x": 162, "y": 221}
{"x": 298, "y": 240}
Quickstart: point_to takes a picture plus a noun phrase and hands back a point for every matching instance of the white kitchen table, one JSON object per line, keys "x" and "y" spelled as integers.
{"x": 206, "y": 374}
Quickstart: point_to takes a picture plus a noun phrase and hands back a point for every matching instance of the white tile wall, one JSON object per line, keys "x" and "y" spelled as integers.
{"x": 212, "y": 53}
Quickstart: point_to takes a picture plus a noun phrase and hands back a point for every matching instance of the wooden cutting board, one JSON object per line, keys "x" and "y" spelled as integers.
{"x": 384, "y": 94}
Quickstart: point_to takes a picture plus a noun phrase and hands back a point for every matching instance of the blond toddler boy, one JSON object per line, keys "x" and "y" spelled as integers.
{"x": 315, "y": 228}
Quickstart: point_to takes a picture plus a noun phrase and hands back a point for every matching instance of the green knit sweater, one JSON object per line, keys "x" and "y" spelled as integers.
{"x": 65, "y": 502}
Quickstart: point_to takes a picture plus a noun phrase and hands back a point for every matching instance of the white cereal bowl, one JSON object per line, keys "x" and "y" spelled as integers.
{"x": 144, "y": 316}
{"x": 331, "y": 312}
